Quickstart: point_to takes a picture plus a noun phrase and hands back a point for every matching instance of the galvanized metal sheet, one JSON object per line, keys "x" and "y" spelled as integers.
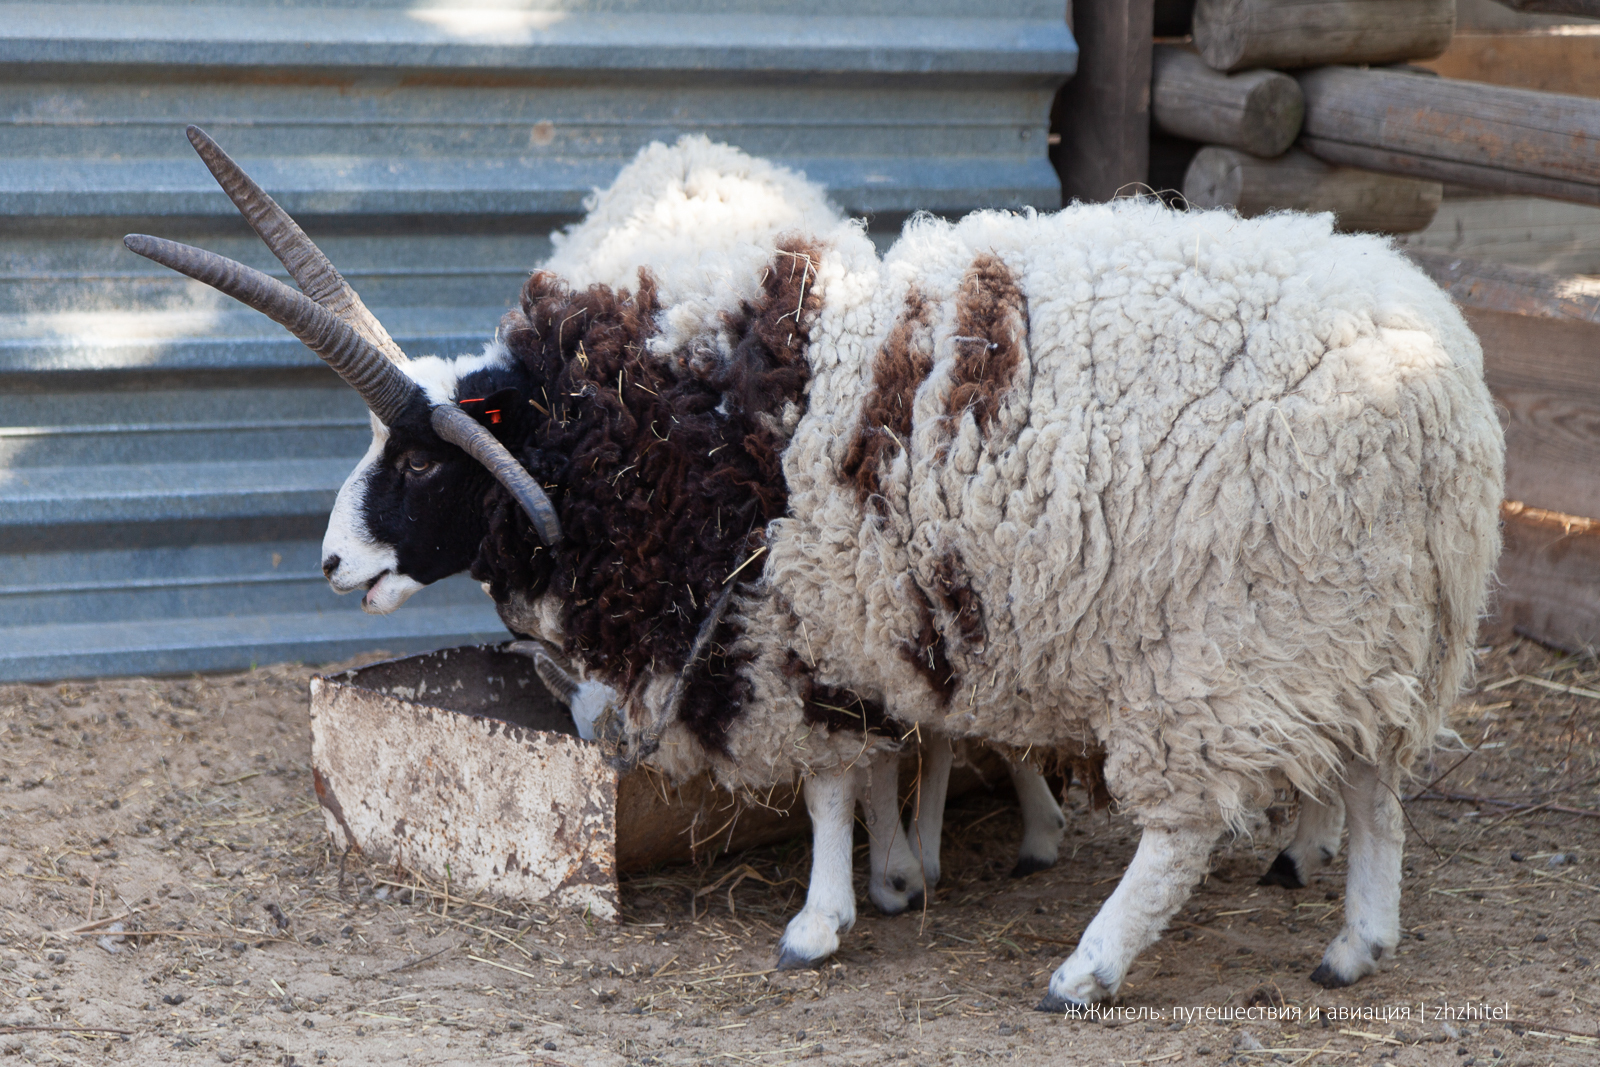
{"x": 160, "y": 447}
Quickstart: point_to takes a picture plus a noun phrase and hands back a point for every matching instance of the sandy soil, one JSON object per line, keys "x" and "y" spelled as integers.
{"x": 184, "y": 810}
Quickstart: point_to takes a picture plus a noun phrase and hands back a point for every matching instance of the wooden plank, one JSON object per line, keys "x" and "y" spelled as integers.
{"x": 1549, "y": 574}
{"x": 1563, "y": 59}
{"x": 1242, "y": 34}
{"x": 1541, "y": 355}
{"x": 1488, "y": 286}
{"x": 1545, "y": 377}
{"x": 1541, "y": 358}
{"x": 1259, "y": 111}
{"x": 1585, "y": 8}
{"x": 1103, "y": 113}
{"x": 1361, "y": 200}
{"x": 1547, "y": 235}
{"x": 1489, "y": 136}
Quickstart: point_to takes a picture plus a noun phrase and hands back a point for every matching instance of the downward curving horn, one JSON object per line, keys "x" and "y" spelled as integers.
{"x": 317, "y": 277}
{"x": 472, "y": 437}
{"x": 386, "y": 388}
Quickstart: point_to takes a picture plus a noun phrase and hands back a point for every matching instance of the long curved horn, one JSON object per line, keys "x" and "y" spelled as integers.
{"x": 311, "y": 270}
{"x": 386, "y": 388}
{"x": 473, "y": 438}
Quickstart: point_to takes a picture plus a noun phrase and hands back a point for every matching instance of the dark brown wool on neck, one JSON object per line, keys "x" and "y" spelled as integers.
{"x": 660, "y": 494}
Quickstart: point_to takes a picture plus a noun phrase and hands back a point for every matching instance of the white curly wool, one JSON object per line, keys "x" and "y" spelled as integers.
{"x": 1232, "y": 521}
{"x": 703, "y": 217}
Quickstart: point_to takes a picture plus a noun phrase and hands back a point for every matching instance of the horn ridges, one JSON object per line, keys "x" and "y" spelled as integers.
{"x": 312, "y": 271}
{"x": 386, "y": 389}
{"x": 473, "y": 438}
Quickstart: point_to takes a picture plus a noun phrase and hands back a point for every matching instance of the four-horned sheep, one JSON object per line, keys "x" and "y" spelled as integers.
{"x": 1207, "y": 504}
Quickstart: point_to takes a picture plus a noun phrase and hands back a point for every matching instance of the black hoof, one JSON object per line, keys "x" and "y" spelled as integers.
{"x": 1027, "y": 865}
{"x": 916, "y": 901}
{"x": 1283, "y": 872}
{"x": 1328, "y": 978}
{"x": 792, "y": 961}
{"x": 1055, "y": 1005}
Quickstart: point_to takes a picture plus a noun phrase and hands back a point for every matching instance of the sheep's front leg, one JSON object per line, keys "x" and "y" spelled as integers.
{"x": 1165, "y": 868}
{"x": 1372, "y": 885}
{"x": 830, "y": 909}
{"x": 1042, "y": 822}
{"x": 927, "y": 818}
{"x": 895, "y": 880}
{"x": 1317, "y": 830}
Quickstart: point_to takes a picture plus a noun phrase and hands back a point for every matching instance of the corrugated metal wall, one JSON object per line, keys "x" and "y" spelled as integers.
{"x": 167, "y": 460}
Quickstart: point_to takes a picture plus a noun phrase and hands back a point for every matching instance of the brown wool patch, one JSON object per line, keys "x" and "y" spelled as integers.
{"x": 837, "y": 709}
{"x": 950, "y": 581}
{"x": 991, "y": 334}
{"x": 660, "y": 497}
{"x": 926, "y": 652}
{"x": 1090, "y": 772}
{"x": 902, "y": 364}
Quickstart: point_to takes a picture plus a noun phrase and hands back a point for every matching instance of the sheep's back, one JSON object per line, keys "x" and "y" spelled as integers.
{"x": 1190, "y": 482}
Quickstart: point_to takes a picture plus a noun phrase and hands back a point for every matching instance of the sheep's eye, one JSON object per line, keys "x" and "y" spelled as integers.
{"x": 419, "y": 465}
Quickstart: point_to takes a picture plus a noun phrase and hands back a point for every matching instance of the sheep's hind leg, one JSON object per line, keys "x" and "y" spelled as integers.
{"x": 813, "y": 935}
{"x": 895, "y": 880}
{"x": 927, "y": 818}
{"x": 1318, "y": 827}
{"x": 1372, "y": 886}
{"x": 1166, "y": 866}
{"x": 1042, "y": 822}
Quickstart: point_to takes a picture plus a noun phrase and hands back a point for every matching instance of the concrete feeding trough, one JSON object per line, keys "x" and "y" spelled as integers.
{"x": 460, "y": 766}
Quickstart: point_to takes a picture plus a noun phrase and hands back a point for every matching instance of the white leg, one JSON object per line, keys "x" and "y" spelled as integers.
{"x": 1317, "y": 830}
{"x": 927, "y": 816}
{"x": 895, "y": 880}
{"x": 1042, "y": 822}
{"x": 830, "y": 909}
{"x": 1372, "y": 887}
{"x": 1165, "y": 868}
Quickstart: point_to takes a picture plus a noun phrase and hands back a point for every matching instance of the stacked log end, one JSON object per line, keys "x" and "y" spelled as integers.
{"x": 1259, "y": 111}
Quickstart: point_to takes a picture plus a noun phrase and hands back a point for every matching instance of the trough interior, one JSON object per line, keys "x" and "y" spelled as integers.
{"x": 477, "y": 680}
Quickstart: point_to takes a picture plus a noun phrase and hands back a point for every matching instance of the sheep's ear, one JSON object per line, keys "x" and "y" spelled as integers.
{"x": 472, "y": 437}
{"x": 562, "y": 685}
{"x": 311, "y": 270}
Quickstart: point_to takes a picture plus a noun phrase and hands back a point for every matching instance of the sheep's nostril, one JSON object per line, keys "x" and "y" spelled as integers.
{"x": 330, "y": 565}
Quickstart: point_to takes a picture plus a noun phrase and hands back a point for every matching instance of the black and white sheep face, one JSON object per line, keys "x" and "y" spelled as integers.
{"x": 410, "y": 513}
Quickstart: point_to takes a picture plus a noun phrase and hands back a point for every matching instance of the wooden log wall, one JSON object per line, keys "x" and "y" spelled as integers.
{"x": 1360, "y": 200}
{"x": 1243, "y": 34}
{"x": 1488, "y": 136}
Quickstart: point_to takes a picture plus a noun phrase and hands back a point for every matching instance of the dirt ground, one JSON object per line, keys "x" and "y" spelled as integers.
{"x": 183, "y": 809}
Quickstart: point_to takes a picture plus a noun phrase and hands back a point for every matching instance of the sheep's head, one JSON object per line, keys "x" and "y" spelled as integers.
{"x": 664, "y": 468}
{"x": 397, "y": 524}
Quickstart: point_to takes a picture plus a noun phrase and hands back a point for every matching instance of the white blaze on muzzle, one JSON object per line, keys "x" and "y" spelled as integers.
{"x": 363, "y": 561}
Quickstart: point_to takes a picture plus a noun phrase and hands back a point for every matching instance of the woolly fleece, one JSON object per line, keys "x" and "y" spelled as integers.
{"x": 1231, "y": 519}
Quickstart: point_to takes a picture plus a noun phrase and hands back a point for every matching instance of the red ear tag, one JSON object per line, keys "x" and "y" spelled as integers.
{"x": 494, "y": 416}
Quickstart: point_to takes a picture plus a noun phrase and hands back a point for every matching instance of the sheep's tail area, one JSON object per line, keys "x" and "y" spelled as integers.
{"x": 1467, "y": 467}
